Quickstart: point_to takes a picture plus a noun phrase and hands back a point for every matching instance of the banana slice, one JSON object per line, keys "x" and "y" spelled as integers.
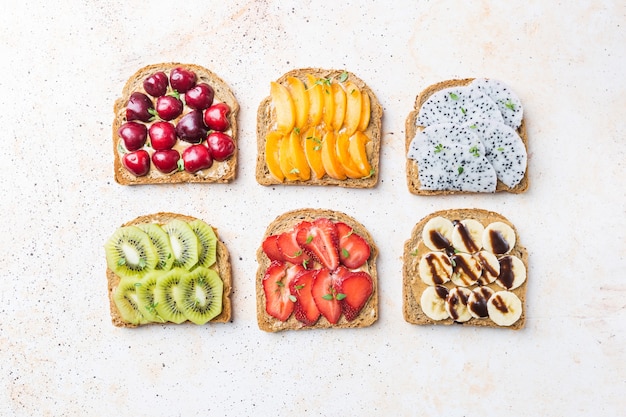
{"x": 437, "y": 233}
{"x": 467, "y": 269}
{"x": 477, "y": 302}
{"x": 435, "y": 268}
{"x": 512, "y": 272}
{"x": 491, "y": 267}
{"x": 504, "y": 308}
{"x": 498, "y": 238}
{"x": 433, "y": 302}
{"x": 467, "y": 235}
{"x": 456, "y": 304}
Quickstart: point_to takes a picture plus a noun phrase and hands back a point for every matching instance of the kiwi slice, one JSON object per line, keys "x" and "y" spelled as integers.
{"x": 130, "y": 253}
{"x": 166, "y": 290}
{"x": 161, "y": 242}
{"x": 184, "y": 242}
{"x": 145, "y": 297}
{"x": 200, "y": 295}
{"x": 208, "y": 242}
{"x": 127, "y": 301}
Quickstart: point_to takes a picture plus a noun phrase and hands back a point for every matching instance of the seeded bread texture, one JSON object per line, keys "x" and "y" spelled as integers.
{"x": 286, "y": 222}
{"x": 266, "y": 120}
{"x": 412, "y": 129}
{"x": 413, "y": 286}
{"x": 220, "y": 172}
{"x": 222, "y": 266}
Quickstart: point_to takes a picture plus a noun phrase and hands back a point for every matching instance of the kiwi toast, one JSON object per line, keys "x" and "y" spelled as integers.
{"x": 466, "y": 267}
{"x": 166, "y": 111}
{"x": 466, "y": 136}
{"x": 167, "y": 268}
{"x": 319, "y": 127}
{"x": 317, "y": 270}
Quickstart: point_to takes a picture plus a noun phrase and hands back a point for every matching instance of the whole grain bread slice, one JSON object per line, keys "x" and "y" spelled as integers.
{"x": 220, "y": 172}
{"x": 222, "y": 266}
{"x": 412, "y": 129}
{"x": 413, "y": 286}
{"x": 266, "y": 119}
{"x": 285, "y": 222}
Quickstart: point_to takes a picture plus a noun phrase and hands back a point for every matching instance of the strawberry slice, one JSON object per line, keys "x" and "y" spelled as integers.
{"x": 319, "y": 239}
{"x": 356, "y": 288}
{"x": 276, "y": 284}
{"x": 270, "y": 247}
{"x": 354, "y": 251}
{"x": 305, "y": 309}
{"x": 292, "y": 252}
{"x": 325, "y": 295}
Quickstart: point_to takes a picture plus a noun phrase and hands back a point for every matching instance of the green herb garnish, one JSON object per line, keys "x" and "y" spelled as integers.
{"x": 509, "y": 105}
{"x": 454, "y": 96}
{"x": 460, "y": 170}
{"x": 438, "y": 148}
{"x": 474, "y": 151}
{"x": 344, "y": 253}
{"x": 343, "y": 76}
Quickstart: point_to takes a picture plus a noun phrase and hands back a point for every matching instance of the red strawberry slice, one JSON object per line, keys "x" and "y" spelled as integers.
{"x": 270, "y": 247}
{"x": 292, "y": 252}
{"x": 305, "y": 309}
{"x": 354, "y": 251}
{"x": 357, "y": 288}
{"x": 326, "y": 296}
{"x": 276, "y": 284}
{"x": 319, "y": 239}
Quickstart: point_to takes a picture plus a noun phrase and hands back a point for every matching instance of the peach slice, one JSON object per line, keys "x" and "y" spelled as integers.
{"x": 272, "y": 154}
{"x": 316, "y": 100}
{"x": 365, "y": 112}
{"x": 298, "y": 158}
{"x": 353, "y": 107}
{"x": 339, "y": 97}
{"x": 313, "y": 151}
{"x": 329, "y": 103}
{"x": 284, "y": 107}
{"x": 343, "y": 155}
{"x": 300, "y": 98}
{"x": 356, "y": 149}
{"x": 286, "y": 161}
{"x": 329, "y": 158}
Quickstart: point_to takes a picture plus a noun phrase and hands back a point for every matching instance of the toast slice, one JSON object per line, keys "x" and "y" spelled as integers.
{"x": 222, "y": 266}
{"x": 355, "y": 169}
{"x": 219, "y": 172}
{"x": 418, "y": 276}
{"x": 413, "y": 127}
{"x": 287, "y": 223}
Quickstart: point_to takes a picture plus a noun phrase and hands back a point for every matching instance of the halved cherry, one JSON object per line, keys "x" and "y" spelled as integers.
{"x": 156, "y": 84}
{"x": 137, "y": 162}
{"x": 166, "y": 160}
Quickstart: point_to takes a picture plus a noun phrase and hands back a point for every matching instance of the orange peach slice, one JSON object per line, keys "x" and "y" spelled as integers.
{"x": 365, "y": 112}
{"x": 343, "y": 155}
{"x": 316, "y": 100}
{"x": 356, "y": 149}
{"x": 329, "y": 158}
{"x": 272, "y": 154}
{"x": 339, "y": 97}
{"x": 313, "y": 151}
{"x": 329, "y": 103}
{"x": 298, "y": 158}
{"x": 353, "y": 107}
{"x": 300, "y": 98}
{"x": 284, "y": 107}
{"x": 286, "y": 161}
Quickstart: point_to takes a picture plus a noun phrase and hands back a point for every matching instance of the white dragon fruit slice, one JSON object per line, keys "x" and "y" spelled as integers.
{"x": 457, "y": 105}
{"x": 508, "y": 102}
{"x": 504, "y": 149}
{"x": 452, "y": 157}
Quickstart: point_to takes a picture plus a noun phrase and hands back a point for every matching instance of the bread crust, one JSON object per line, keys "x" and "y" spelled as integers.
{"x": 412, "y": 129}
{"x": 222, "y": 265}
{"x": 413, "y": 286}
{"x": 285, "y": 222}
{"x": 265, "y": 121}
{"x": 220, "y": 172}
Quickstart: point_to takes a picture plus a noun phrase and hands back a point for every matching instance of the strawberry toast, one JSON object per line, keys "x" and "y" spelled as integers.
{"x": 317, "y": 269}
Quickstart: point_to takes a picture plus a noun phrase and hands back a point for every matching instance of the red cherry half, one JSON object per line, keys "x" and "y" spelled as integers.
{"x": 182, "y": 79}
{"x": 166, "y": 160}
{"x": 139, "y": 107}
{"x": 156, "y": 84}
{"x": 216, "y": 117}
{"x": 200, "y": 97}
{"x": 197, "y": 157}
{"x": 162, "y": 135}
{"x": 221, "y": 145}
{"x": 133, "y": 134}
{"x": 137, "y": 162}
{"x": 169, "y": 107}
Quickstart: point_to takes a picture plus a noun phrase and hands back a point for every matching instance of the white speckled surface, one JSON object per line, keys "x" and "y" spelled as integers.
{"x": 63, "y": 66}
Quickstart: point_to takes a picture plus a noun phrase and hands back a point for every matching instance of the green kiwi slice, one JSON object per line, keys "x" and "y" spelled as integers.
{"x": 130, "y": 253}
{"x": 208, "y": 242}
{"x": 200, "y": 295}
{"x": 127, "y": 301}
{"x": 184, "y": 242}
{"x": 166, "y": 290}
{"x": 145, "y": 297}
{"x": 161, "y": 242}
